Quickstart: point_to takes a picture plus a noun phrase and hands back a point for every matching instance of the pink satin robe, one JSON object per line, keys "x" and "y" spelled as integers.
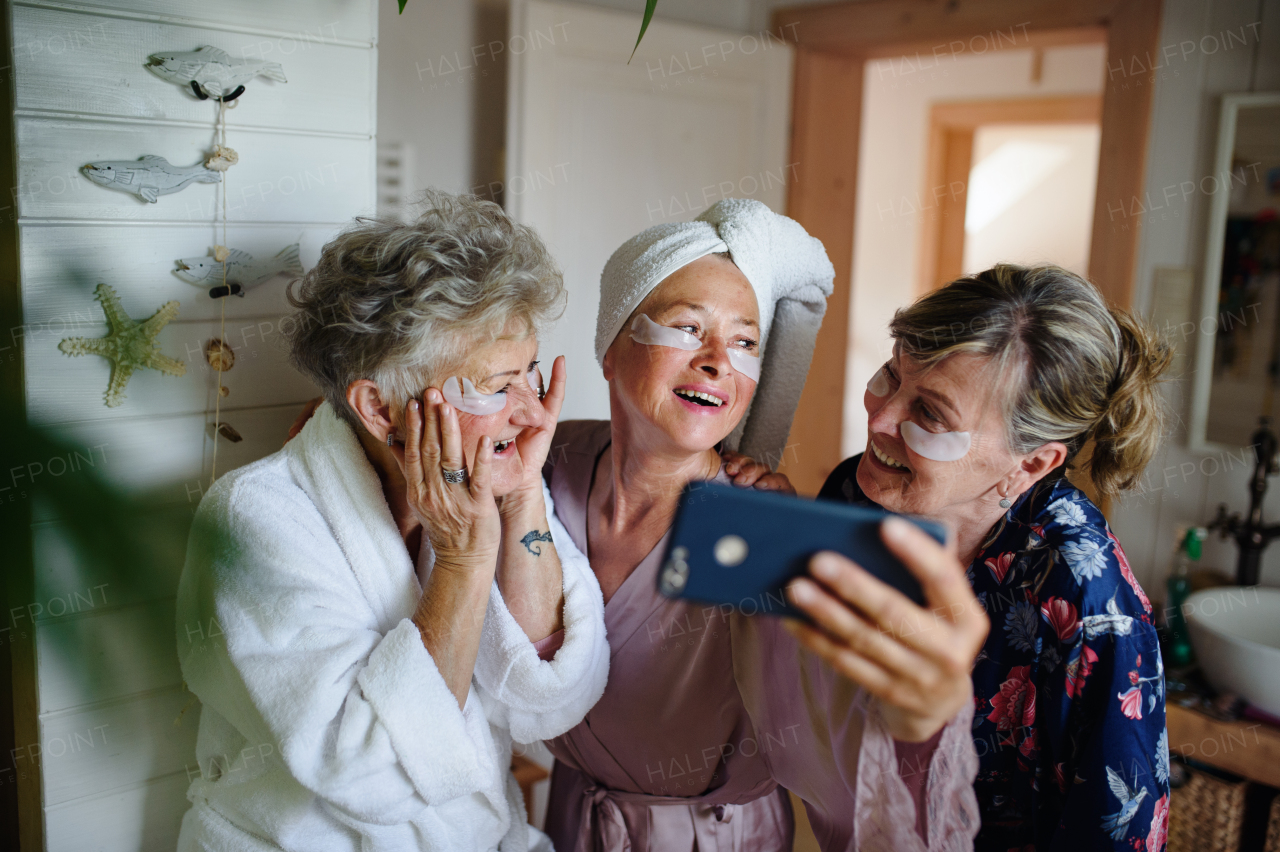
{"x": 705, "y": 716}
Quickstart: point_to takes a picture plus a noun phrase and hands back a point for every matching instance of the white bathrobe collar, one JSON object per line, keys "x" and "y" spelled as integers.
{"x": 330, "y": 465}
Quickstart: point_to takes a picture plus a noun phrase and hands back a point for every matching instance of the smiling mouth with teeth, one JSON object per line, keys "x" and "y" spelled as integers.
{"x": 886, "y": 459}
{"x": 699, "y": 397}
{"x": 501, "y": 446}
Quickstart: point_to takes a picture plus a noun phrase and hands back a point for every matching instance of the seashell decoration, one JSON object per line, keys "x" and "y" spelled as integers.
{"x": 220, "y": 355}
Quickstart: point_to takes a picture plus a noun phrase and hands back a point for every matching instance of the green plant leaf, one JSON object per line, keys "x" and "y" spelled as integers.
{"x": 649, "y": 6}
{"x": 402, "y": 2}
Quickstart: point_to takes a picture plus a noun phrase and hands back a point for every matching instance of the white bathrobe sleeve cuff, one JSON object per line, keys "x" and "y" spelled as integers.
{"x": 441, "y": 747}
{"x": 545, "y": 698}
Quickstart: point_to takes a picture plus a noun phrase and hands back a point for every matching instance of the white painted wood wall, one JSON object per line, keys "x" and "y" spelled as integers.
{"x": 118, "y": 748}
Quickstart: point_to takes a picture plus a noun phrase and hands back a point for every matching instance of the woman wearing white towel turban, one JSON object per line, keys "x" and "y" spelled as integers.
{"x": 706, "y": 718}
{"x": 341, "y": 615}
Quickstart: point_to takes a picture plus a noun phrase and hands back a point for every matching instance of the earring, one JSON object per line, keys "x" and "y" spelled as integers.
{"x": 391, "y": 439}
{"x": 1004, "y": 503}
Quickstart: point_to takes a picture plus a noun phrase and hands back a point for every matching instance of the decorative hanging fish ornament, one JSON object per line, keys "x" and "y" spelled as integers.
{"x": 243, "y": 271}
{"x": 212, "y": 73}
{"x": 148, "y": 177}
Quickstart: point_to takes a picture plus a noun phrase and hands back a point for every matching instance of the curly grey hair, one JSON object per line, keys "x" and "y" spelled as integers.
{"x": 399, "y": 303}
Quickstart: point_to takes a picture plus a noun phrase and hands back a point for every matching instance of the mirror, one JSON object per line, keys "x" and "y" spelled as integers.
{"x": 1237, "y": 369}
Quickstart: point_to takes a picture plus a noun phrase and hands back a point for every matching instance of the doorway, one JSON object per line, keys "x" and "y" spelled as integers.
{"x": 1013, "y": 181}
{"x": 833, "y": 46}
{"x": 972, "y": 157}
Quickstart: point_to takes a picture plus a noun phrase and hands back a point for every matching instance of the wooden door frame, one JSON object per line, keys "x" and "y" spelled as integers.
{"x": 952, "y": 125}
{"x": 833, "y": 43}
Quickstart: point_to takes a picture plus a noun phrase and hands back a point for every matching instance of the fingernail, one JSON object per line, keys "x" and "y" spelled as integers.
{"x": 801, "y": 592}
{"x": 413, "y": 404}
{"x": 432, "y": 396}
{"x": 895, "y": 527}
{"x": 823, "y": 568}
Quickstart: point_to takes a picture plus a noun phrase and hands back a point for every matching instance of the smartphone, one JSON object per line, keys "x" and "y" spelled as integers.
{"x": 740, "y": 547}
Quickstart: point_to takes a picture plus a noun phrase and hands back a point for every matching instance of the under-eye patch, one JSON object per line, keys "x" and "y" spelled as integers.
{"x": 467, "y": 398}
{"x": 745, "y": 363}
{"x": 879, "y": 384}
{"x": 648, "y": 332}
{"x": 935, "y": 446}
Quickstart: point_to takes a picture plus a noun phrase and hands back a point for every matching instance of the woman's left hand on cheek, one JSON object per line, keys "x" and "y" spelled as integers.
{"x": 533, "y": 443}
{"x": 916, "y": 661}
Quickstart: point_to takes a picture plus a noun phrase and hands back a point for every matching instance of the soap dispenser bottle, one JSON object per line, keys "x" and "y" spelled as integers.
{"x": 1179, "y": 588}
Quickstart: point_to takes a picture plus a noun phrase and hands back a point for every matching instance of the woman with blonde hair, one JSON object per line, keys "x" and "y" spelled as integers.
{"x": 705, "y": 333}
{"x": 997, "y": 384}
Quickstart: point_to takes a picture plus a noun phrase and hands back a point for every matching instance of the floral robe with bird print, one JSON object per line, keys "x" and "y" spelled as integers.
{"x": 1069, "y": 720}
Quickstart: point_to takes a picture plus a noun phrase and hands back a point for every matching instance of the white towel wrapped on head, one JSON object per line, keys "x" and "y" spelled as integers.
{"x": 792, "y": 278}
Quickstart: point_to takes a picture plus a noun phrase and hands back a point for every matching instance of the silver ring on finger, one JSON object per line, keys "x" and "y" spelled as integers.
{"x": 454, "y": 477}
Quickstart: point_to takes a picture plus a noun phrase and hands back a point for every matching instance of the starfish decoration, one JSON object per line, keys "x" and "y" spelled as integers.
{"x": 130, "y": 346}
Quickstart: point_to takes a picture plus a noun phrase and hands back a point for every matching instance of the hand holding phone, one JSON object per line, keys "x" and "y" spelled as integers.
{"x": 915, "y": 660}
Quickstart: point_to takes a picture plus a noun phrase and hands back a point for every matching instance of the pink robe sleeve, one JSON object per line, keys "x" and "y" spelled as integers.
{"x": 547, "y": 647}
{"x": 913, "y": 766}
{"x": 916, "y": 797}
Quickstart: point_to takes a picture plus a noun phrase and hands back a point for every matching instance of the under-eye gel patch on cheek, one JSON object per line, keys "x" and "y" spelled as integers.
{"x": 648, "y": 332}
{"x": 935, "y": 446}
{"x": 467, "y": 398}
{"x": 879, "y": 384}
{"x": 745, "y": 363}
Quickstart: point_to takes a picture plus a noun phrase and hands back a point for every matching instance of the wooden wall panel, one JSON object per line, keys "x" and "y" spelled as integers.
{"x": 281, "y": 177}
{"x": 276, "y": 21}
{"x": 159, "y": 459}
{"x": 62, "y": 264}
{"x": 108, "y": 681}
{"x": 143, "y": 817}
{"x": 84, "y": 583}
{"x": 63, "y": 388}
{"x": 95, "y": 66}
{"x": 104, "y": 653}
{"x": 117, "y": 745}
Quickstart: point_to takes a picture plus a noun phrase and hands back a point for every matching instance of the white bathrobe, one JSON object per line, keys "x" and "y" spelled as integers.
{"x": 325, "y": 725}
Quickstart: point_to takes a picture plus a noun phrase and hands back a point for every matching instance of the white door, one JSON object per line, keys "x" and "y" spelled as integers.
{"x": 598, "y": 150}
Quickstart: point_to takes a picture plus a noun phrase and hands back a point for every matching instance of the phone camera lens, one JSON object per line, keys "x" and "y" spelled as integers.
{"x": 731, "y": 550}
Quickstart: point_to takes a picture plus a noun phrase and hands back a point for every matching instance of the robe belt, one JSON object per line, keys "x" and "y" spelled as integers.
{"x": 604, "y": 823}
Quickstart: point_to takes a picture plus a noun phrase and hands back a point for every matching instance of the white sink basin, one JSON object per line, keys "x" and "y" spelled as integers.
{"x": 1235, "y": 631}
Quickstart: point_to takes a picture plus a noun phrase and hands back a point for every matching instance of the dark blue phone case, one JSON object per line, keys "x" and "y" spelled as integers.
{"x": 740, "y": 547}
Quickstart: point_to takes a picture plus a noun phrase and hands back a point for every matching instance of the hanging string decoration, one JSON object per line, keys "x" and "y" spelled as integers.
{"x": 130, "y": 346}
{"x": 222, "y": 158}
{"x": 211, "y": 73}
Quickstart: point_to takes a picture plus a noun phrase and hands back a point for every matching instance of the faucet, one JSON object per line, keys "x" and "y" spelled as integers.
{"x": 1252, "y": 535}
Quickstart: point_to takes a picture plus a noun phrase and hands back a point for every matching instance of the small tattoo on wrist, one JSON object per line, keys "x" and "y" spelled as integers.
{"x": 532, "y": 536}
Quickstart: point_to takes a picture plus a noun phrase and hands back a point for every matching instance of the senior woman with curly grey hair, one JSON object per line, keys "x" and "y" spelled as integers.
{"x": 387, "y": 602}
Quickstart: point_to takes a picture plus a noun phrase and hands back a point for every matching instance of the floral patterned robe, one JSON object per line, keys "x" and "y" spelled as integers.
{"x": 1069, "y": 719}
